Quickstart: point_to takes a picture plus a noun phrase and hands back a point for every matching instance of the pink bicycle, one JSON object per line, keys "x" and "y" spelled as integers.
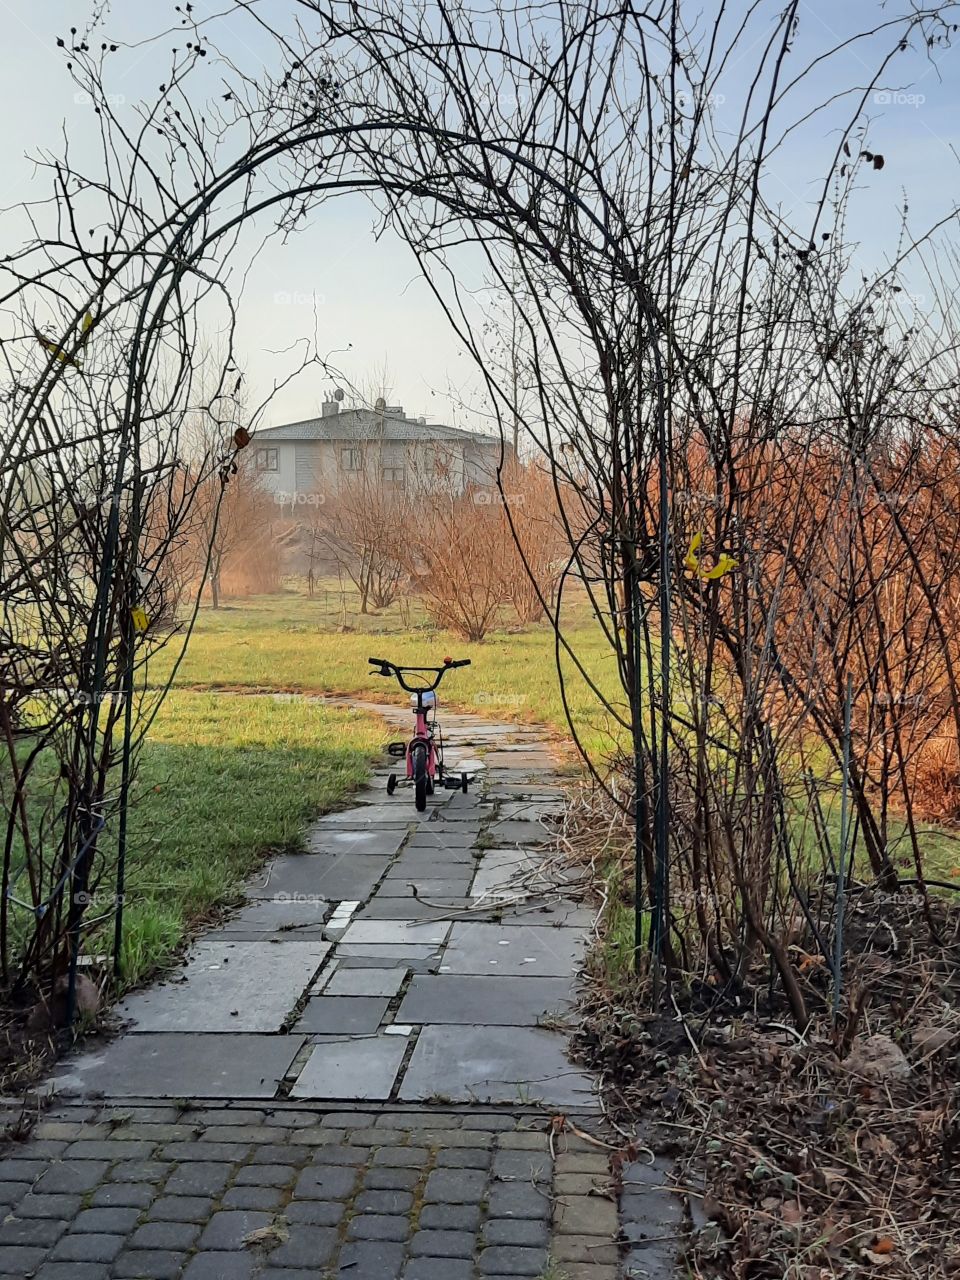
{"x": 424, "y": 751}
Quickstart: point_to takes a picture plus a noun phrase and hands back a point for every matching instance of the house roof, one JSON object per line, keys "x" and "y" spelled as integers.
{"x": 366, "y": 424}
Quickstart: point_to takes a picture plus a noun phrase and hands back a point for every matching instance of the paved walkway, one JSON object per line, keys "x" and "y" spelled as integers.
{"x": 359, "y": 1075}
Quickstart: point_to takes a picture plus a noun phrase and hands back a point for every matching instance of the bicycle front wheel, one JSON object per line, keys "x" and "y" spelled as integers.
{"x": 420, "y": 776}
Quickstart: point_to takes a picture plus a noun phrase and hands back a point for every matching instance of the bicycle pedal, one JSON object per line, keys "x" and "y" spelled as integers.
{"x": 396, "y": 749}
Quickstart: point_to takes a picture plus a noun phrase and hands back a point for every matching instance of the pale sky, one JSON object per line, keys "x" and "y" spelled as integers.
{"x": 366, "y": 293}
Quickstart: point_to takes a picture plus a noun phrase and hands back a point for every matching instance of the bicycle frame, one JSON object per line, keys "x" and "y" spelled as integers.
{"x": 424, "y": 732}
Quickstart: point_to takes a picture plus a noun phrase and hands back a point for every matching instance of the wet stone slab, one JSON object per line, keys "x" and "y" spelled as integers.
{"x": 530, "y": 950}
{"x": 366, "y": 982}
{"x": 387, "y": 908}
{"x": 400, "y": 932}
{"x": 229, "y": 986}
{"x": 343, "y": 1015}
{"x": 175, "y": 1065}
{"x": 351, "y": 840}
{"x": 460, "y": 836}
{"x": 482, "y": 1001}
{"x": 541, "y": 912}
{"x": 519, "y": 1065}
{"x": 352, "y": 1070}
{"x": 398, "y": 885}
{"x": 376, "y": 811}
{"x": 519, "y": 832}
{"x": 293, "y": 920}
{"x": 305, "y": 877}
{"x": 499, "y": 870}
{"x": 378, "y": 953}
{"x": 417, "y": 870}
{"x": 530, "y": 810}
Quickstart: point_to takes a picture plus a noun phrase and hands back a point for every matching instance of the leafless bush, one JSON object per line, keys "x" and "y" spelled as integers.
{"x": 460, "y": 560}
{"x": 360, "y": 527}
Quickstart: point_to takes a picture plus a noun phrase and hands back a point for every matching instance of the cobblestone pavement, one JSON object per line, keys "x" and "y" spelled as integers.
{"x": 358, "y": 1075}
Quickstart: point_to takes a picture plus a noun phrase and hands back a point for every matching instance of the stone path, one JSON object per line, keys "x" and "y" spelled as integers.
{"x": 355, "y": 1076}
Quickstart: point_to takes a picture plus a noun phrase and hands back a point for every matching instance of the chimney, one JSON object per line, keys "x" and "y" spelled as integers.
{"x": 330, "y": 409}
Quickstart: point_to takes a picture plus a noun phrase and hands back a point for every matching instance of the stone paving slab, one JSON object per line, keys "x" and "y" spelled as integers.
{"x": 388, "y": 932}
{"x": 436, "y": 862}
{"x": 501, "y": 949}
{"x": 390, "y": 908}
{"x": 514, "y": 1065}
{"x": 498, "y": 870}
{"x": 350, "y": 839}
{"x": 179, "y": 1065}
{"x": 398, "y": 885}
{"x": 546, "y": 912}
{"x": 307, "y": 877}
{"x": 342, "y": 1015}
{"x": 228, "y": 986}
{"x": 363, "y": 1068}
{"x": 379, "y": 952}
{"x": 291, "y": 920}
{"x": 520, "y": 833}
{"x": 365, "y": 982}
{"x": 483, "y": 1001}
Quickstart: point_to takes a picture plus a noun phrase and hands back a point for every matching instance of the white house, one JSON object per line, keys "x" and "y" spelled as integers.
{"x": 301, "y": 460}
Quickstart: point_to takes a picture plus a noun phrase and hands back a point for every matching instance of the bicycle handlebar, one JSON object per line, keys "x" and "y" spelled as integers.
{"x": 391, "y": 668}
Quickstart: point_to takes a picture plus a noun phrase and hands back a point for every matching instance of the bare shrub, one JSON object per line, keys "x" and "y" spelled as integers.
{"x": 360, "y": 527}
{"x": 461, "y": 560}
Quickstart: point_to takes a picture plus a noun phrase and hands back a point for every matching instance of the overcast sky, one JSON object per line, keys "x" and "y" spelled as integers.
{"x": 366, "y": 293}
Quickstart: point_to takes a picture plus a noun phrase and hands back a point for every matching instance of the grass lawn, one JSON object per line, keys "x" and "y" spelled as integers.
{"x": 292, "y": 642}
{"x": 223, "y": 783}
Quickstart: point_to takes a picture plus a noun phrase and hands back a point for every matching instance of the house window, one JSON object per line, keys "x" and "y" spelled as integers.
{"x": 268, "y": 459}
{"x": 393, "y": 457}
{"x": 351, "y": 459}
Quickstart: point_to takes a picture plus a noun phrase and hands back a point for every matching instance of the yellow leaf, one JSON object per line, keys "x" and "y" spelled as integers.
{"x": 691, "y": 560}
{"x": 723, "y": 565}
{"x": 54, "y": 348}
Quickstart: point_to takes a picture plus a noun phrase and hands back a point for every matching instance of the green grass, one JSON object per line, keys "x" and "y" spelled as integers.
{"x": 291, "y": 642}
{"x": 939, "y": 846}
{"x": 223, "y": 782}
